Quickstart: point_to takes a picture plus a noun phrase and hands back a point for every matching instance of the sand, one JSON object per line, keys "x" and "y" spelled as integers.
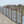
{"x": 5, "y": 20}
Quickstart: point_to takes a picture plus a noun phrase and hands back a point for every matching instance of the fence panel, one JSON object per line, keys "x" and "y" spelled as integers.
{"x": 19, "y": 16}
{"x": 10, "y": 13}
{"x": 23, "y": 17}
{"x": 0, "y": 10}
{"x": 14, "y": 16}
{"x": 5, "y": 11}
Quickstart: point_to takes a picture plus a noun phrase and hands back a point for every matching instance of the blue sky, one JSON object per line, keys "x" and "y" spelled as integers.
{"x": 11, "y": 2}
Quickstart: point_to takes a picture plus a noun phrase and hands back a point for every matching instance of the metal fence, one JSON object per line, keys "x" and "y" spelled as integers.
{"x": 14, "y": 14}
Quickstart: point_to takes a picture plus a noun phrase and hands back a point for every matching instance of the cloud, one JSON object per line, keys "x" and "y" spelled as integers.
{"x": 5, "y": 2}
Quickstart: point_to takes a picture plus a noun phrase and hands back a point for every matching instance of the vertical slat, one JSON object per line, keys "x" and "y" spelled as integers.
{"x": 3, "y": 11}
{"x": 11, "y": 13}
{"x": 8, "y": 12}
{"x": 19, "y": 10}
{"x": 21, "y": 14}
{"x": 16, "y": 15}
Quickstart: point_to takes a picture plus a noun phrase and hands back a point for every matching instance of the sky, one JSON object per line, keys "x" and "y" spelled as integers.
{"x": 11, "y": 2}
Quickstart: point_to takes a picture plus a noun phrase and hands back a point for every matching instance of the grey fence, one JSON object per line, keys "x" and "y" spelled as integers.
{"x": 14, "y": 14}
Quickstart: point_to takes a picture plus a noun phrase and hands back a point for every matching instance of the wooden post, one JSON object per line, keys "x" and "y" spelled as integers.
{"x": 3, "y": 11}
{"x": 19, "y": 10}
{"x": 11, "y": 13}
{"x": 21, "y": 14}
{"x": 8, "y": 12}
{"x": 16, "y": 15}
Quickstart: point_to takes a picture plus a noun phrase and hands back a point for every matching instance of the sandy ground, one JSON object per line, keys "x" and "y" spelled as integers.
{"x": 5, "y": 20}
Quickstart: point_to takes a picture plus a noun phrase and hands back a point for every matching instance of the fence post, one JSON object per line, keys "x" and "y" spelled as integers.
{"x": 21, "y": 14}
{"x": 16, "y": 15}
{"x": 0, "y": 10}
{"x": 11, "y": 13}
{"x": 8, "y": 12}
{"x": 3, "y": 11}
{"x": 19, "y": 10}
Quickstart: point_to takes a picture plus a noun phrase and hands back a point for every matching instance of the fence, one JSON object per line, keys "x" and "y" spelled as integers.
{"x": 14, "y": 14}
